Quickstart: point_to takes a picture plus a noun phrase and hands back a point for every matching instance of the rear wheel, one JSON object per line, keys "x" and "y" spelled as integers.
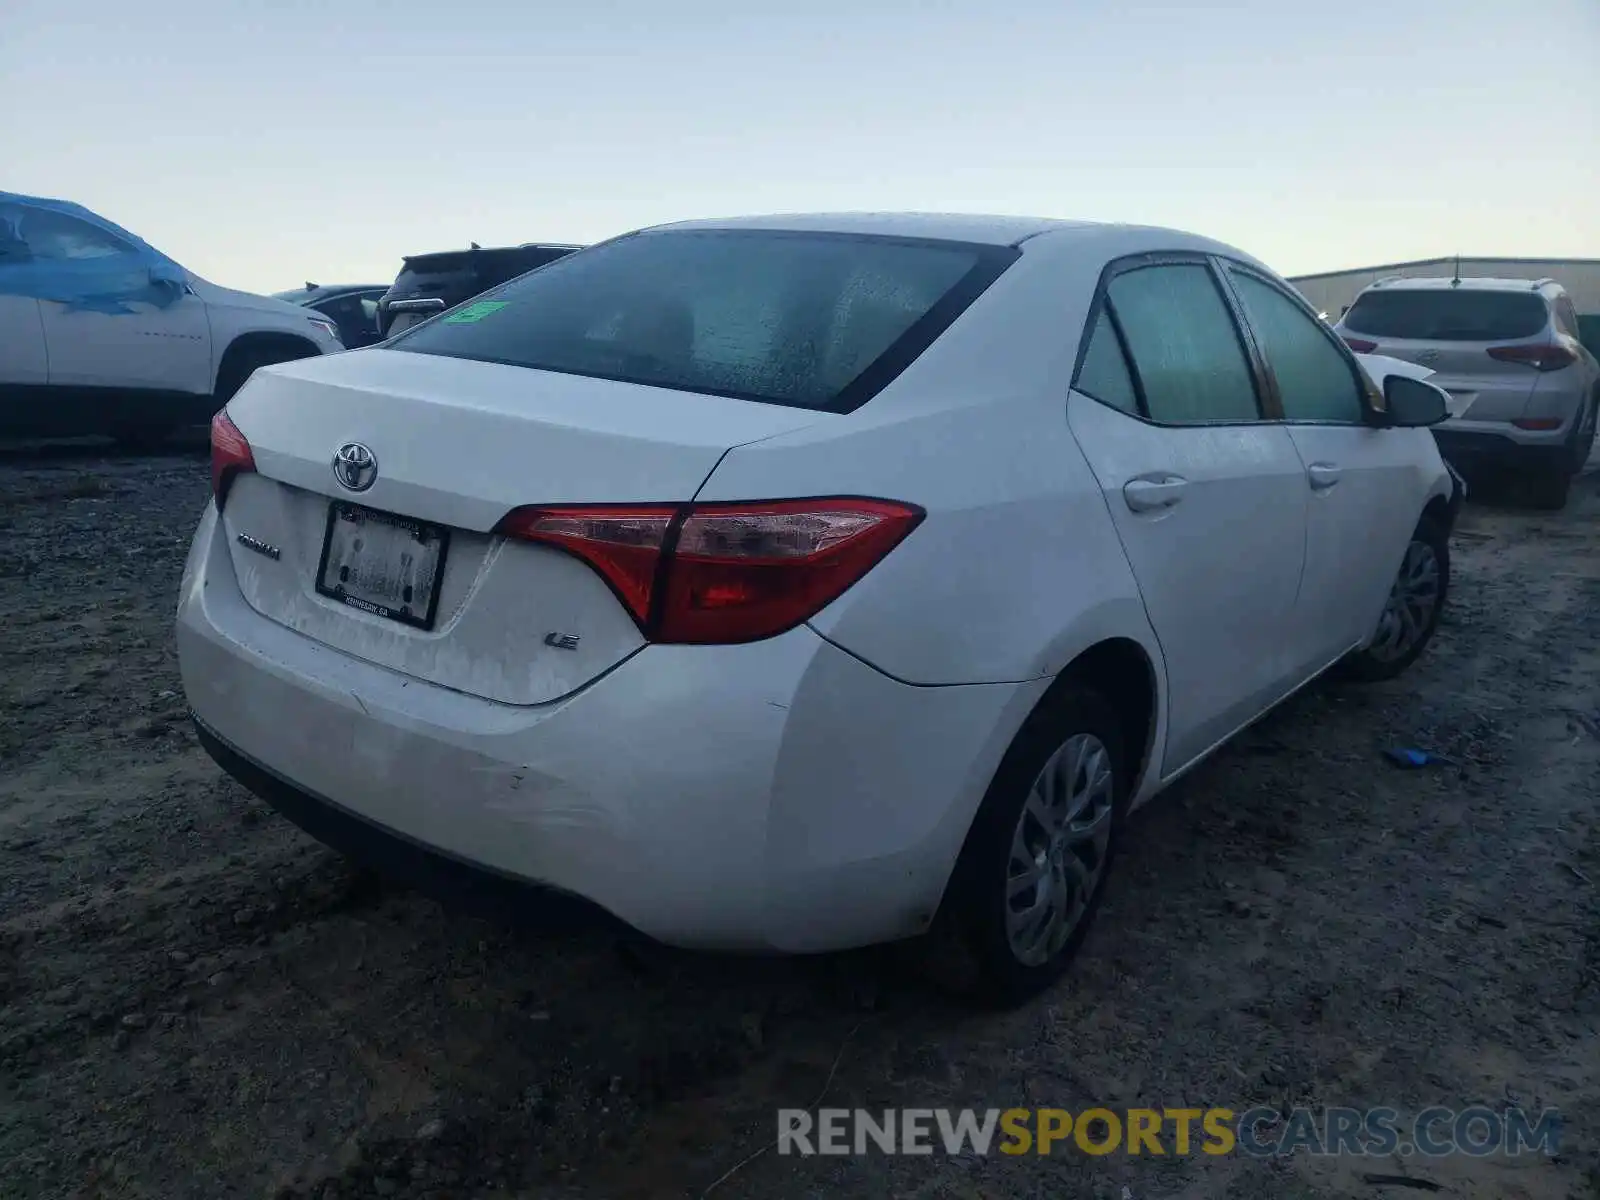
{"x": 1411, "y": 615}
{"x": 239, "y": 365}
{"x": 1032, "y": 872}
{"x": 1548, "y": 492}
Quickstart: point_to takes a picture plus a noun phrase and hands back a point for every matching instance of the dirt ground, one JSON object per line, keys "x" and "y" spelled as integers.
{"x": 198, "y": 1001}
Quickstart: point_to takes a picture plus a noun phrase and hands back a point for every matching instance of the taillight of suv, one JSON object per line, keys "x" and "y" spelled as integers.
{"x": 1541, "y": 356}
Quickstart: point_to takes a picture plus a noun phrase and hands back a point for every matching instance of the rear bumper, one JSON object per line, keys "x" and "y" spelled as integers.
{"x": 455, "y": 881}
{"x": 779, "y": 795}
{"x": 1473, "y": 451}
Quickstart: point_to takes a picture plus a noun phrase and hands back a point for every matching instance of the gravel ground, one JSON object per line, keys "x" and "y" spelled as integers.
{"x": 198, "y": 1001}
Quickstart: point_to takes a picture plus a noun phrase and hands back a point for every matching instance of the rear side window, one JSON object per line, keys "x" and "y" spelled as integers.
{"x": 1184, "y": 344}
{"x": 819, "y": 321}
{"x": 1315, "y": 381}
{"x": 1566, "y": 316}
{"x": 1437, "y": 315}
{"x": 1104, "y": 374}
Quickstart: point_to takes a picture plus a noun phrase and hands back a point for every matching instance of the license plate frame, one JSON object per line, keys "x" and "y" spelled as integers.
{"x": 424, "y": 533}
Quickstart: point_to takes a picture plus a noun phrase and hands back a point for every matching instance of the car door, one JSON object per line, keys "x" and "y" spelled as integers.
{"x": 1208, "y": 496}
{"x": 1363, "y": 484}
{"x": 106, "y": 323}
{"x": 22, "y": 354}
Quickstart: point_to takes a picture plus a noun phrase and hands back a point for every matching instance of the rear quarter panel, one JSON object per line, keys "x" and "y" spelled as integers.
{"x": 1016, "y": 568}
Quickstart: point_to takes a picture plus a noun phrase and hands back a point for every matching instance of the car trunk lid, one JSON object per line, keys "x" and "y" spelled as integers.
{"x": 456, "y": 445}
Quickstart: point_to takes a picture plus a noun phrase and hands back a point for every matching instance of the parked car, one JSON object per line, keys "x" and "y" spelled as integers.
{"x": 100, "y": 333}
{"x": 1524, "y": 390}
{"x": 809, "y": 582}
{"x": 352, "y": 307}
{"x": 430, "y": 283}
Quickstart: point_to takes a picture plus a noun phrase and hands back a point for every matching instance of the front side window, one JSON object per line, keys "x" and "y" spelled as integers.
{"x": 51, "y": 236}
{"x": 1184, "y": 344}
{"x": 1315, "y": 381}
{"x": 819, "y": 321}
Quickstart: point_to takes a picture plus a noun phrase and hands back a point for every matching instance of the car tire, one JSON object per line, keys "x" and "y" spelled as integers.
{"x": 238, "y": 368}
{"x": 1548, "y": 493}
{"x": 1585, "y": 443}
{"x": 1412, "y": 613}
{"x": 1053, "y": 812}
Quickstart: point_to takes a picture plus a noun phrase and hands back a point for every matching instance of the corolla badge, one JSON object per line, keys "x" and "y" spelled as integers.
{"x": 355, "y": 467}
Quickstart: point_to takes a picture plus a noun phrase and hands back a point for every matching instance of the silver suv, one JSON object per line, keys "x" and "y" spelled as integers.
{"x": 1523, "y": 389}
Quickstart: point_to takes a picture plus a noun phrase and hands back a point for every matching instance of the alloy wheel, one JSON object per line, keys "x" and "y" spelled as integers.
{"x": 1059, "y": 849}
{"x": 1412, "y": 601}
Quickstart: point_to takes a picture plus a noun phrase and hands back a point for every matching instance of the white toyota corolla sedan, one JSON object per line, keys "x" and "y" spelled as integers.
{"x": 802, "y": 583}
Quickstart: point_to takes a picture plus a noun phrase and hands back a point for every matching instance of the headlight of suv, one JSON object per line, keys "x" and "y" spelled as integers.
{"x": 329, "y": 329}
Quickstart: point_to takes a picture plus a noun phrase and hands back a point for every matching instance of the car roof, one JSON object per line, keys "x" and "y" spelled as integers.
{"x": 1474, "y": 283}
{"x": 956, "y": 227}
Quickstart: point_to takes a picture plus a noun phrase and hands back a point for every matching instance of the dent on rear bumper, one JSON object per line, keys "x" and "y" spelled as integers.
{"x": 777, "y": 795}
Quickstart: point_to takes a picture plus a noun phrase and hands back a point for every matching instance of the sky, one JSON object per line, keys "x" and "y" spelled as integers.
{"x": 265, "y": 143}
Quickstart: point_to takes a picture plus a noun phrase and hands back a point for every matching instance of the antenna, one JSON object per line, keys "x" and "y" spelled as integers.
{"x": 1456, "y": 282}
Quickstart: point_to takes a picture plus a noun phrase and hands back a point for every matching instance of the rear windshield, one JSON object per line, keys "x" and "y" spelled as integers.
{"x": 819, "y": 321}
{"x": 1452, "y": 316}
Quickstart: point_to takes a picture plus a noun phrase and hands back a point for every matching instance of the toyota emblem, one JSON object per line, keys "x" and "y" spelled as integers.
{"x": 355, "y": 467}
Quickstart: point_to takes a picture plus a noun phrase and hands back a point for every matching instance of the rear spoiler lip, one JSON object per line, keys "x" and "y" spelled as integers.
{"x": 408, "y": 259}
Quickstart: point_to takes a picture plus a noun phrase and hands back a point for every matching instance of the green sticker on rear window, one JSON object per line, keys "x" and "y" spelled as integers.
{"x": 475, "y": 312}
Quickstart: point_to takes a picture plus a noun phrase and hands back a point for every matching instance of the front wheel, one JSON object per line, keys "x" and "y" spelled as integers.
{"x": 1030, "y": 877}
{"x": 1415, "y": 605}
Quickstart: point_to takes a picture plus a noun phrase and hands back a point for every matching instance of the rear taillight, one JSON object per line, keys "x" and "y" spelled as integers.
{"x": 1545, "y": 356}
{"x": 230, "y": 454}
{"x": 1537, "y": 423}
{"x": 707, "y": 573}
{"x": 1359, "y": 345}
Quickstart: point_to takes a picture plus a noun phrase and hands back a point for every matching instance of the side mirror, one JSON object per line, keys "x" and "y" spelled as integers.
{"x": 168, "y": 273}
{"x": 1413, "y": 403}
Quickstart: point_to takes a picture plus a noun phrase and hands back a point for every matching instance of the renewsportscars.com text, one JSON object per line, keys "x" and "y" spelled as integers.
{"x": 1256, "y": 1132}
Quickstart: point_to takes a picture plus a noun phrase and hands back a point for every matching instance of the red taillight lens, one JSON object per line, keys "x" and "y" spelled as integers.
{"x": 623, "y": 544}
{"x": 746, "y": 571}
{"x": 1548, "y": 356}
{"x": 1359, "y": 345}
{"x": 1532, "y": 423}
{"x": 230, "y": 454}
{"x": 720, "y": 573}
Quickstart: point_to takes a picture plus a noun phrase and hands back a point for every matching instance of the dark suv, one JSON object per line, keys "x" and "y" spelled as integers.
{"x": 430, "y": 283}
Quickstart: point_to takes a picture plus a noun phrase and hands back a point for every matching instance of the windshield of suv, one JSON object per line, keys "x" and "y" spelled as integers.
{"x": 1453, "y": 316}
{"x": 810, "y": 320}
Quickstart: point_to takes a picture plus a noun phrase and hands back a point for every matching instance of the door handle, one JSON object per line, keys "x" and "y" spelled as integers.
{"x": 1153, "y": 495}
{"x": 1322, "y": 476}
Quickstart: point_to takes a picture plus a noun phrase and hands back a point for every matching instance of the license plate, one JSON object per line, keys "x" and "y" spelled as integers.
{"x": 1459, "y": 402}
{"x": 383, "y": 564}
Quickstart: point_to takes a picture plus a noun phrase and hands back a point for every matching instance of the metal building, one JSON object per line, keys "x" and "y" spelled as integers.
{"x": 1333, "y": 291}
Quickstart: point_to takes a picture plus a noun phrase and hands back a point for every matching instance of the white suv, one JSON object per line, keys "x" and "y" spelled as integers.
{"x": 102, "y": 334}
{"x": 806, "y": 582}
